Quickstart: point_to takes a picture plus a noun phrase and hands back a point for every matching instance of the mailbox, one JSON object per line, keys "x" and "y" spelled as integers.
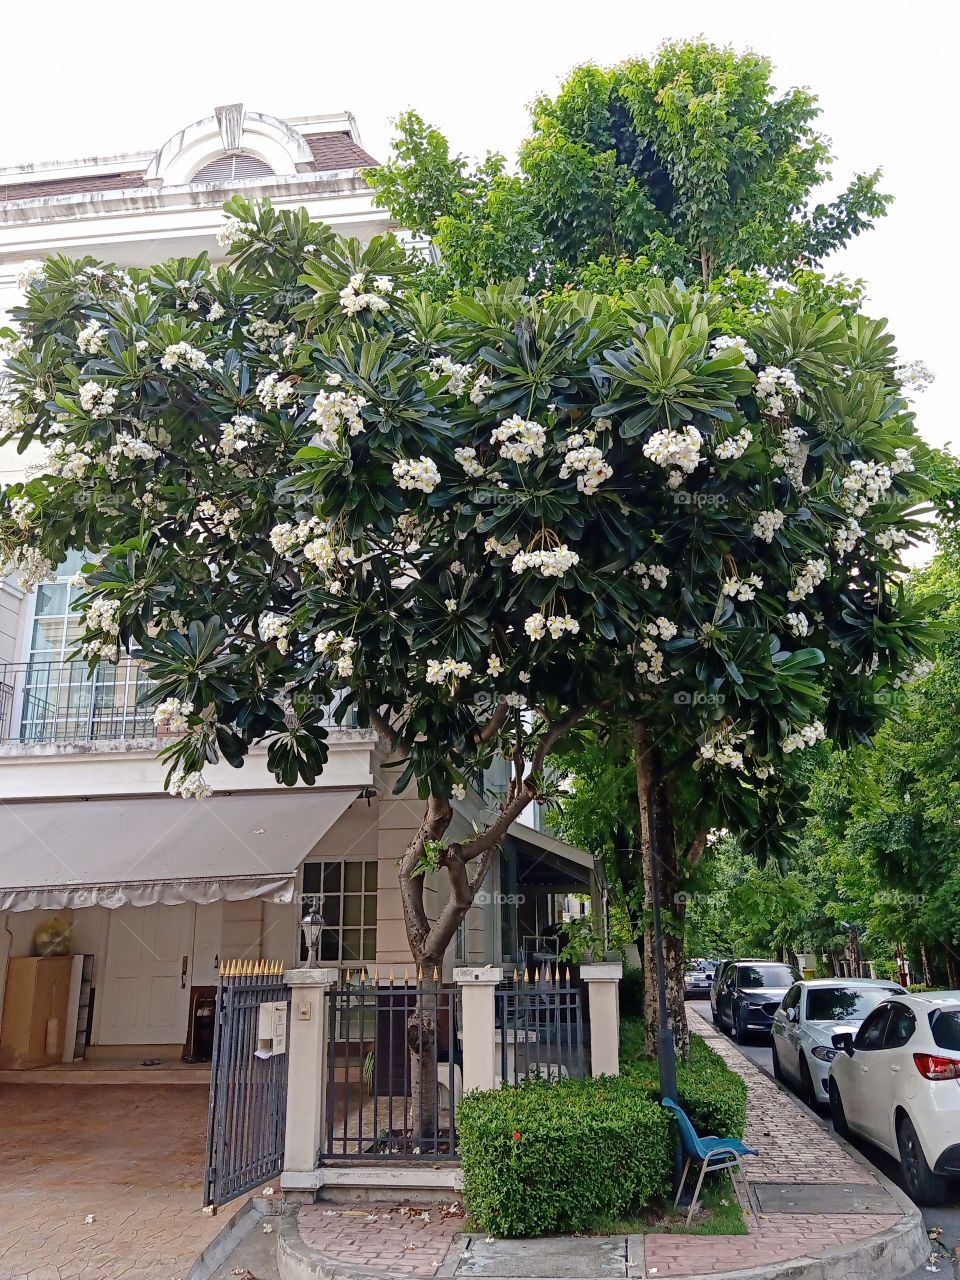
{"x": 271, "y": 1029}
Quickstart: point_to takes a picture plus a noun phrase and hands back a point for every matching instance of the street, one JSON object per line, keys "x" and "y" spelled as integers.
{"x": 946, "y": 1219}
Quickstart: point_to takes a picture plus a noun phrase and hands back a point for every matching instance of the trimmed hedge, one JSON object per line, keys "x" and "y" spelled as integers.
{"x": 713, "y": 1096}
{"x": 541, "y": 1158}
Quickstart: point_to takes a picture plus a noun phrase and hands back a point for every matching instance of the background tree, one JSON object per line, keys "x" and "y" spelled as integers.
{"x": 479, "y": 524}
{"x": 686, "y": 164}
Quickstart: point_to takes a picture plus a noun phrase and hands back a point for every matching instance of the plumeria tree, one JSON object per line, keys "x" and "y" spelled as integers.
{"x": 477, "y": 525}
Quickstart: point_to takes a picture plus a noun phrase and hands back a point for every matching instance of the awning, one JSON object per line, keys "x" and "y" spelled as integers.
{"x": 139, "y": 851}
{"x": 545, "y": 862}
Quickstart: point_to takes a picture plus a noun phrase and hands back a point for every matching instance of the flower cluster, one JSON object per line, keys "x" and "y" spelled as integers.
{"x": 458, "y": 374}
{"x": 726, "y": 343}
{"x": 288, "y": 537}
{"x": 723, "y": 748}
{"x": 661, "y": 628}
{"x": 272, "y": 626}
{"x": 238, "y": 433}
{"x": 191, "y": 786}
{"x": 467, "y": 458}
{"x": 808, "y": 736}
{"x": 341, "y": 648}
{"x": 274, "y": 392}
{"x": 353, "y": 299}
{"x": 865, "y": 484}
{"x": 774, "y": 387}
{"x": 422, "y": 474}
{"x": 263, "y": 332}
{"x": 128, "y": 445}
{"x": 808, "y": 578}
{"x": 182, "y": 353}
{"x": 734, "y": 446}
{"x": 798, "y": 623}
{"x": 889, "y": 538}
{"x": 90, "y": 340}
{"x": 30, "y": 272}
{"x": 68, "y": 460}
{"x": 335, "y": 412}
{"x": 22, "y": 510}
{"x": 589, "y": 461}
{"x": 172, "y": 715}
{"x": 675, "y": 451}
{"x": 743, "y": 589}
{"x": 447, "y": 671}
{"x": 232, "y": 231}
{"x": 913, "y": 375}
{"x": 650, "y": 573}
{"x": 217, "y": 520}
{"x": 101, "y": 615}
{"x": 767, "y": 523}
{"x": 96, "y": 400}
{"x": 549, "y": 564}
{"x": 537, "y": 625}
{"x": 847, "y": 536}
{"x": 494, "y": 548}
{"x": 791, "y": 454}
{"x": 520, "y": 440}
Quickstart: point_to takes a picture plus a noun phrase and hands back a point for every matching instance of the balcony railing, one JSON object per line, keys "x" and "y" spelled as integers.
{"x": 43, "y": 702}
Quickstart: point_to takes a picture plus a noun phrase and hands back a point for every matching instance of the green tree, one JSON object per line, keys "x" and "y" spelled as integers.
{"x": 686, "y": 164}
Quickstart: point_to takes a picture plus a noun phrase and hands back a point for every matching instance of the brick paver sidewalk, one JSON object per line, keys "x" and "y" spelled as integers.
{"x": 401, "y": 1240}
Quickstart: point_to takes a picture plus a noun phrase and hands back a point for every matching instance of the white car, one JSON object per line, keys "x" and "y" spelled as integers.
{"x": 897, "y": 1082}
{"x": 809, "y": 1016}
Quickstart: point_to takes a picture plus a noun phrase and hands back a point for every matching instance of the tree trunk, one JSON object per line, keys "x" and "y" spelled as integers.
{"x": 648, "y": 765}
{"x": 422, "y": 1041}
{"x": 856, "y": 960}
{"x": 925, "y": 963}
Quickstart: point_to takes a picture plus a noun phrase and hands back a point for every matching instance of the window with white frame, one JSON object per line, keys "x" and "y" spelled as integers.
{"x": 349, "y": 909}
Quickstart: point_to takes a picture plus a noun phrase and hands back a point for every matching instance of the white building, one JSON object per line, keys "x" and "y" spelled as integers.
{"x": 158, "y": 891}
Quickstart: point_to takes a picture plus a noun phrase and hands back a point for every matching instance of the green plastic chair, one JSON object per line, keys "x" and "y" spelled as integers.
{"x": 711, "y": 1154}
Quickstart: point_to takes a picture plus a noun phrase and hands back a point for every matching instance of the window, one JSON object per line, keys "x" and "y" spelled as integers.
{"x": 870, "y": 1035}
{"x": 751, "y": 977}
{"x": 901, "y": 1027}
{"x": 945, "y": 1025}
{"x": 349, "y": 910}
{"x": 792, "y": 998}
{"x": 844, "y": 1004}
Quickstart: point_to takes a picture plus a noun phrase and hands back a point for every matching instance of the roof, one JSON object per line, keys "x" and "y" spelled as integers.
{"x": 337, "y": 151}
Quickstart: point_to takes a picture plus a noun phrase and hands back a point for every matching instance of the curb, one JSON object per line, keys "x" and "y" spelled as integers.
{"x": 246, "y": 1219}
{"x": 297, "y": 1261}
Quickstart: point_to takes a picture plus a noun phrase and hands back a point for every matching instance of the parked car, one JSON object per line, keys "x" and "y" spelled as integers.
{"x": 897, "y": 1083}
{"x": 749, "y": 995}
{"x": 697, "y": 982}
{"x": 715, "y": 986}
{"x": 811, "y": 1014}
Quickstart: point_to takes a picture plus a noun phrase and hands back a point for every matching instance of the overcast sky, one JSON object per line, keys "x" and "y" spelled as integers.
{"x": 112, "y": 75}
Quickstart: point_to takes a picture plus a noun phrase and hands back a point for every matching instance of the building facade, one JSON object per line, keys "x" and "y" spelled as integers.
{"x": 158, "y": 892}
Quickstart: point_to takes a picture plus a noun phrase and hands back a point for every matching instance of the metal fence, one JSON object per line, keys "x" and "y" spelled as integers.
{"x": 65, "y": 702}
{"x": 248, "y": 1082}
{"x": 376, "y": 1108}
{"x": 539, "y": 1015}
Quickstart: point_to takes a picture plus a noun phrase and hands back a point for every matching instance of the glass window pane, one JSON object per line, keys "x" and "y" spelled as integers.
{"x": 47, "y": 638}
{"x": 352, "y": 909}
{"x": 331, "y": 877}
{"x": 369, "y": 875}
{"x": 353, "y": 877}
{"x": 350, "y": 948}
{"x": 51, "y": 599}
{"x": 331, "y": 910}
{"x": 369, "y": 944}
{"x": 312, "y": 872}
{"x": 328, "y": 945}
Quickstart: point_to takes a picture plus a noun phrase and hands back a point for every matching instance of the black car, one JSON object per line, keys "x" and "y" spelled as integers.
{"x": 750, "y": 993}
{"x": 715, "y": 986}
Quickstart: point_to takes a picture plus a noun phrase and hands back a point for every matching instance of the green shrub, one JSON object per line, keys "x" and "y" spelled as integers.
{"x": 541, "y": 1158}
{"x": 713, "y": 1096}
{"x": 631, "y": 993}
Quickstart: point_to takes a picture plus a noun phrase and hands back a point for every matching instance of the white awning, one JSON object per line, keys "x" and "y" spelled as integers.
{"x": 82, "y": 853}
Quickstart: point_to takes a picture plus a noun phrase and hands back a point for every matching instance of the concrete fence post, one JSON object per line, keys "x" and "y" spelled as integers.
{"x": 478, "y": 987}
{"x": 307, "y": 1071}
{"x": 602, "y": 992}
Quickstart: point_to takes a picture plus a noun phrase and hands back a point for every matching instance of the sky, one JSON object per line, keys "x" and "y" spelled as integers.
{"x": 111, "y": 76}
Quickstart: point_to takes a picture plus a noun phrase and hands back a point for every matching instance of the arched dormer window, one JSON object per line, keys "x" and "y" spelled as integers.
{"x": 240, "y": 167}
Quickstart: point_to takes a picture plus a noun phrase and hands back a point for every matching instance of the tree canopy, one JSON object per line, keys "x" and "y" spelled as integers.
{"x": 478, "y": 523}
{"x": 688, "y": 164}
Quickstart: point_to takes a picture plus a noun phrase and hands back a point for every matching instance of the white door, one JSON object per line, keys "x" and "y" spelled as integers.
{"x": 145, "y": 993}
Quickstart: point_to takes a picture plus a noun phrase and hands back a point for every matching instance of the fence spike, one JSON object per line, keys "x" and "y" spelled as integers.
{"x": 548, "y": 974}
{"x": 349, "y": 975}
{"x": 536, "y": 974}
{"x": 419, "y": 972}
{"x": 516, "y": 975}
{"x": 406, "y": 974}
{"x": 363, "y": 976}
{"x": 436, "y": 974}
{"x": 376, "y": 977}
{"x": 391, "y": 975}
{"x": 568, "y": 975}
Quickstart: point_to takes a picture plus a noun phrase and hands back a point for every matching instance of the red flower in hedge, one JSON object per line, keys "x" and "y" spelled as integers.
{"x": 517, "y": 1135}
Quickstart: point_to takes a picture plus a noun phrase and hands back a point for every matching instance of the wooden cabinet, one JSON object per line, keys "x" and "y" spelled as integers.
{"x": 35, "y": 1011}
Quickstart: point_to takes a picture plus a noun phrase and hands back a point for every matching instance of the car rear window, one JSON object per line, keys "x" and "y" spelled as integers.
{"x": 945, "y": 1025}
{"x": 845, "y": 1004}
{"x": 751, "y": 976}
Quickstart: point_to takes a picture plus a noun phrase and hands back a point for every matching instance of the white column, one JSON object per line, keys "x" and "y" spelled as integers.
{"x": 479, "y": 1025}
{"x": 307, "y": 1070}
{"x": 602, "y": 988}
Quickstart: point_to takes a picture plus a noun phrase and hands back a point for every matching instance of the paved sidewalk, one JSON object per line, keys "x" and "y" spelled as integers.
{"x": 800, "y": 1165}
{"x": 130, "y": 1156}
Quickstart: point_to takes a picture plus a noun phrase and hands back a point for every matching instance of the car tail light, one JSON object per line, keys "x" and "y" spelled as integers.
{"x": 931, "y": 1067}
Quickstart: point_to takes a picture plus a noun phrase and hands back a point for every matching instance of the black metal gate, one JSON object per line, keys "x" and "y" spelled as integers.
{"x": 248, "y": 1082}
{"x": 540, "y": 1026}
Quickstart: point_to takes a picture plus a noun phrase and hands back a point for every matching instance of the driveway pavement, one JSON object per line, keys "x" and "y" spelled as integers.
{"x": 129, "y": 1157}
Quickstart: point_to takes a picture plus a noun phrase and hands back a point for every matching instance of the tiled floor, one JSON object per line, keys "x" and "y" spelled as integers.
{"x": 129, "y": 1155}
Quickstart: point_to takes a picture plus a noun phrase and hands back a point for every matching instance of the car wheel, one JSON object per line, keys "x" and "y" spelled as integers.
{"x": 713, "y": 1015}
{"x": 806, "y": 1091}
{"x": 777, "y": 1069}
{"x": 924, "y": 1186}
{"x": 738, "y": 1026}
{"x": 837, "y": 1113}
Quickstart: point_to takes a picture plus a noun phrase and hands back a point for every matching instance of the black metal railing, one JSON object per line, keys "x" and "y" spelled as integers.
{"x": 246, "y": 1121}
{"x": 383, "y": 1101}
{"x": 44, "y": 701}
{"x": 539, "y": 1017}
